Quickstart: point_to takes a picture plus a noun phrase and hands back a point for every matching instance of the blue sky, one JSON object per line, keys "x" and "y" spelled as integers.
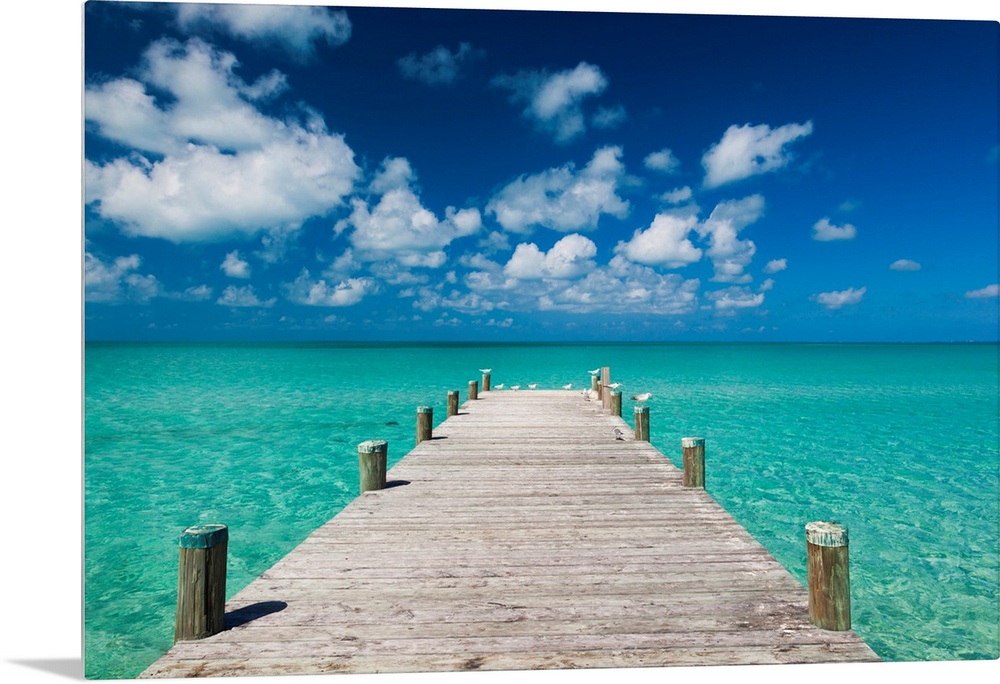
{"x": 282, "y": 172}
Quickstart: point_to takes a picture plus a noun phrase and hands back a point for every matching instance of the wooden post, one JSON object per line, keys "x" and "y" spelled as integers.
{"x": 371, "y": 464}
{"x": 473, "y": 389}
{"x": 425, "y": 418}
{"x": 616, "y": 403}
{"x": 693, "y": 449}
{"x": 201, "y": 582}
{"x": 452, "y": 403}
{"x": 642, "y": 423}
{"x": 595, "y": 384}
{"x": 605, "y": 390}
{"x": 829, "y": 576}
{"x": 486, "y": 382}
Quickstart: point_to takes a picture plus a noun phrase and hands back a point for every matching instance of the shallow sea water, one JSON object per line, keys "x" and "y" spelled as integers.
{"x": 899, "y": 442}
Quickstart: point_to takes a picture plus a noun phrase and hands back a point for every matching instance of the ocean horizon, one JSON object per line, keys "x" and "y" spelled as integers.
{"x": 899, "y": 441}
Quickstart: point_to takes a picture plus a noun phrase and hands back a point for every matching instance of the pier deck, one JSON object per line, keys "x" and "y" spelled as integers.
{"x": 522, "y": 536}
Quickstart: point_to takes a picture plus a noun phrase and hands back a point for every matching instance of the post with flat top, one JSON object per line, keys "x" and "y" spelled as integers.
{"x": 616, "y": 403}
{"x": 486, "y": 382}
{"x": 372, "y": 456}
{"x": 595, "y": 384}
{"x": 473, "y": 389}
{"x": 605, "y": 390}
{"x": 693, "y": 449}
{"x": 829, "y": 576}
{"x": 642, "y": 423}
{"x": 452, "y": 403}
{"x": 425, "y": 417}
{"x": 201, "y": 582}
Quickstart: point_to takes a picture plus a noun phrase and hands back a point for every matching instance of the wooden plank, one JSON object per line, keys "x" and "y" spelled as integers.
{"x": 521, "y": 535}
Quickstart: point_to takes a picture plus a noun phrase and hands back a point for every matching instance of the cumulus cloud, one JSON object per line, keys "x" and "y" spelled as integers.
{"x": 984, "y": 293}
{"x": 399, "y": 227}
{"x": 904, "y": 265}
{"x": 666, "y": 242}
{"x": 117, "y": 281}
{"x": 318, "y": 292}
{"x": 835, "y": 300}
{"x": 663, "y": 161}
{"x": 735, "y": 297}
{"x": 677, "y": 195}
{"x": 562, "y": 198}
{"x": 824, "y": 231}
{"x": 298, "y": 29}
{"x": 226, "y": 169}
{"x": 440, "y": 66}
{"x": 747, "y": 150}
{"x": 234, "y": 266}
{"x": 609, "y": 117}
{"x": 570, "y": 257}
{"x": 555, "y": 101}
{"x": 776, "y": 265}
{"x": 730, "y": 255}
{"x": 239, "y": 297}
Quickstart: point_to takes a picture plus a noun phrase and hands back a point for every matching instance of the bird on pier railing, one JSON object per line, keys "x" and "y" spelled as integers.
{"x": 568, "y": 385}
{"x": 642, "y": 398}
{"x": 500, "y": 386}
{"x": 533, "y": 385}
{"x": 485, "y": 371}
{"x": 619, "y": 434}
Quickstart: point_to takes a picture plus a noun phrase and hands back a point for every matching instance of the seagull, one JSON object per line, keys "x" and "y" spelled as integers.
{"x": 642, "y": 397}
{"x": 568, "y": 386}
{"x": 515, "y": 387}
{"x": 500, "y": 386}
{"x": 619, "y": 434}
{"x": 485, "y": 371}
{"x": 615, "y": 385}
{"x": 595, "y": 371}
{"x": 533, "y": 385}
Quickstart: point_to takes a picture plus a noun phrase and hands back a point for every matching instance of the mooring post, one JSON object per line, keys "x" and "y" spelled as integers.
{"x": 829, "y": 576}
{"x": 486, "y": 382}
{"x": 201, "y": 582}
{"x": 642, "y": 423}
{"x": 616, "y": 403}
{"x": 452, "y": 403}
{"x": 605, "y": 390}
{"x": 595, "y": 384}
{"x": 425, "y": 417}
{"x": 693, "y": 449}
{"x": 473, "y": 389}
{"x": 371, "y": 464}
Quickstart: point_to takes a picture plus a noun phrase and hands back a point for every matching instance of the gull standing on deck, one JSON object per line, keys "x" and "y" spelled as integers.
{"x": 568, "y": 385}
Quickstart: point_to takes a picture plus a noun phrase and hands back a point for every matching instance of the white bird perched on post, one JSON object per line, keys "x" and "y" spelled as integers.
{"x": 615, "y": 385}
{"x": 641, "y": 398}
{"x": 595, "y": 371}
{"x": 485, "y": 371}
{"x": 619, "y": 434}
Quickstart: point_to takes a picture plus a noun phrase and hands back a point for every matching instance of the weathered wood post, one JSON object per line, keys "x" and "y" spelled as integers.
{"x": 425, "y": 417}
{"x": 486, "y": 382}
{"x": 616, "y": 403}
{"x": 693, "y": 449}
{"x": 595, "y": 384}
{"x": 829, "y": 576}
{"x": 473, "y": 389}
{"x": 605, "y": 390}
{"x": 201, "y": 582}
{"x": 642, "y": 423}
{"x": 371, "y": 464}
{"x": 452, "y": 403}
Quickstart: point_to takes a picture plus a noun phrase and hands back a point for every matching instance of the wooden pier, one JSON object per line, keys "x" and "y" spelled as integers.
{"x": 521, "y": 535}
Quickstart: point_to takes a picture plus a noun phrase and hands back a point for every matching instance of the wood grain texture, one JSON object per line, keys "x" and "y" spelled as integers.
{"x": 526, "y": 537}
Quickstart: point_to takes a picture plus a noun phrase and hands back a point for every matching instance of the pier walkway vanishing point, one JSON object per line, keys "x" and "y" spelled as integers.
{"x": 522, "y": 535}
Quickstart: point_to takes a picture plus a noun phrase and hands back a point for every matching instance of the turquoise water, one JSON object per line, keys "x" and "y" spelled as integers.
{"x": 899, "y": 442}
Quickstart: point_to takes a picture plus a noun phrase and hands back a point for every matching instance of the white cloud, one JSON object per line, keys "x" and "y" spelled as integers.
{"x": 399, "y": 227}
{"x": 747, "y": 150}
{"x": 665, "y": 243}
{"x": 554, "y": 101}
{"x": 776, "y": 265}
{"x": 984, "y": 293}
{"x": 904, "y": 265}
{"x": 570, "y": 257}
{"x": 297, "y": 28}
{"x": 609, "y": 117}
{"x": 824, "y": 231}
{"x": 735, "y": 298}
{"x": 835, "y": 300}
{"x": 234, "y": 266}
{"x": 677, "y": 195}
{"x": 198, "y": 293}
{"x": 117, "y": 281}
{"x": 226, "y": 170}
{"x": 730, "y": 255}
{"x": 347, "y": 292}
{"x": 440, "y": 66}
{"x": 563, "y": 199}
{"x": 663, "y": 160}
{"x": 242, "y": 297}
{"x": 766, "y": 286}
